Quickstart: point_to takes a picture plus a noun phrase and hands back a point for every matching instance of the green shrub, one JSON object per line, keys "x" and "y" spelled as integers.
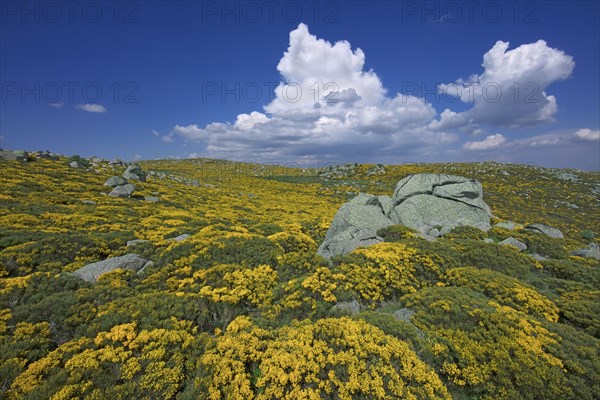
{"x": 394, "y": 233}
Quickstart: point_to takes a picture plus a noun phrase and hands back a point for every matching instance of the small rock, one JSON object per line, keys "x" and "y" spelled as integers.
{"x": 115, "y": 181}
{"x": 545, "y": 229}
{"x": 346, "y": 308}
{"x": 511, "y": 241}
{"x": 89, "y": 202}
{"x": 75, "y": 164}
{"x": 149, "y": 264}
{"x": 488, "y": 240}
{"x": 151, "y": 199}
{"x": 538, "y": 257}
{"x": 134, "y": 172}
{"x": 92, "y": 272}
{"x": 136, "y": 241}
{"x": 403, "y": 314}
{"x": 508, "y": 225}
{"x": 181, "y": 237}
{"x": 592, "y": 251}
{"x": 122, "y": 191}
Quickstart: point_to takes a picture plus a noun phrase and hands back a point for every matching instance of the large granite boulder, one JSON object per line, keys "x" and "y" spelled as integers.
{"x": 432, "y": 204}
{"x": 427, "y": 201}
{"x": 356, "y": 224}
{"x": 92, "y": 272}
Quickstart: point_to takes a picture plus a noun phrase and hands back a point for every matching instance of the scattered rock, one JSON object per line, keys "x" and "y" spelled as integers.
{"x": 346, "y": 308}
{"x": 488, "y": 240}
{"x": 545, "y": 229}
{"x": 15, "y": 155}
{"x": 538, "y": 257}
{"x": 511, "y": 241}
{"x": 151, "y": 199}
{"x": 136, "y": 241}
{"x": 75, "y": 164}
{"x": 122, "y": 191}
{"x": 115, "y": 181}
{"x": 134, "y": 172}
{"x": 89, "y": 202}
{"x": 403, "y": 314}
{"x": 181, "y": 237}
{"x": 508, "y": 225}
{"x": 149, "y": 264}
{"x": 92, "y": 272}
{"x": 567, "y": 176}
{"x": 592, "y": 251}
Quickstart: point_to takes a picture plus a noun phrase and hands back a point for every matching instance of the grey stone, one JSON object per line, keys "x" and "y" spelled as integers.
{"x": 434, "y": 233}
{"x": 508, "y": 225}
{"x": 538, "y": 257}
{"x": 545, "y": 229}
{"x": 488, "y": 240}
{"x": 115, "y": 181}
{"x": 567, "y": 176}
{"x": 403, "y": 314}
{"x": 136, "y": 241}
{"x": 346, "y": 308}
{"x": 181, "y": 237}
{"x": 134, "y": 172}
{"x": 75, "y": 164}
{"x": 149, "y": 264}
{"x": 122, "y": 191}
{"x": 355, "y": 214}
{"x": 423, "y": 212}
{"x": 151, "y": 199}
{"x": 347, "y": 240}
{"x": 92, "y": 272}
{"x": 592, "y": 251}
{"x": 14, "y": 155}
{"x": 89, "y": 202}
{"x": 511, "y": 241}
{"x": 426, "y": 200}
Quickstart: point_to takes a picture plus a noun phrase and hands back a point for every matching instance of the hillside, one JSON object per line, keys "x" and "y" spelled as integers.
{"x": 244, "y": 307}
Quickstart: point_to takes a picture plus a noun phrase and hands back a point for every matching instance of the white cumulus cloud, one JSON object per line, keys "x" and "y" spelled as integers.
{"x": 588, "y": 134}
{"x": 93, "y": 108}
{"x": 490, "y": 142}
{"x": 511, "y": 91}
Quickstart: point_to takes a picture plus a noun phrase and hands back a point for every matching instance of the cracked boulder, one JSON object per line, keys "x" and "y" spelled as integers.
{"x": 432, "y": 204}
{"x": 436, "y": 201}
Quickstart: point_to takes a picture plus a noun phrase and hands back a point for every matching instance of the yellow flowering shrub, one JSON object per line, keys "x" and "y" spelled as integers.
{"x": 385, "y": 270}
{"x": 121, "y": 363}
{"x": 504, "y": 290}
{"x": 331, "y": 358}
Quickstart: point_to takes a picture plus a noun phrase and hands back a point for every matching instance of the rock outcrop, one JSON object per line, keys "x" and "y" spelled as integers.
{"x": 592, "y": 251}
{"x": 546, "y": 230}
{"x": 92, "y": 272}
{"x": 432, "y": 204}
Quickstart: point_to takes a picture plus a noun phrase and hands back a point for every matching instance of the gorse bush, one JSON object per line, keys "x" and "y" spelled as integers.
{"x": 245, "y": 307}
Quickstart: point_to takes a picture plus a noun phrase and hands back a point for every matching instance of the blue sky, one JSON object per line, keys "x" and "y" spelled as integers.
{"x": 378, "y": 80}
